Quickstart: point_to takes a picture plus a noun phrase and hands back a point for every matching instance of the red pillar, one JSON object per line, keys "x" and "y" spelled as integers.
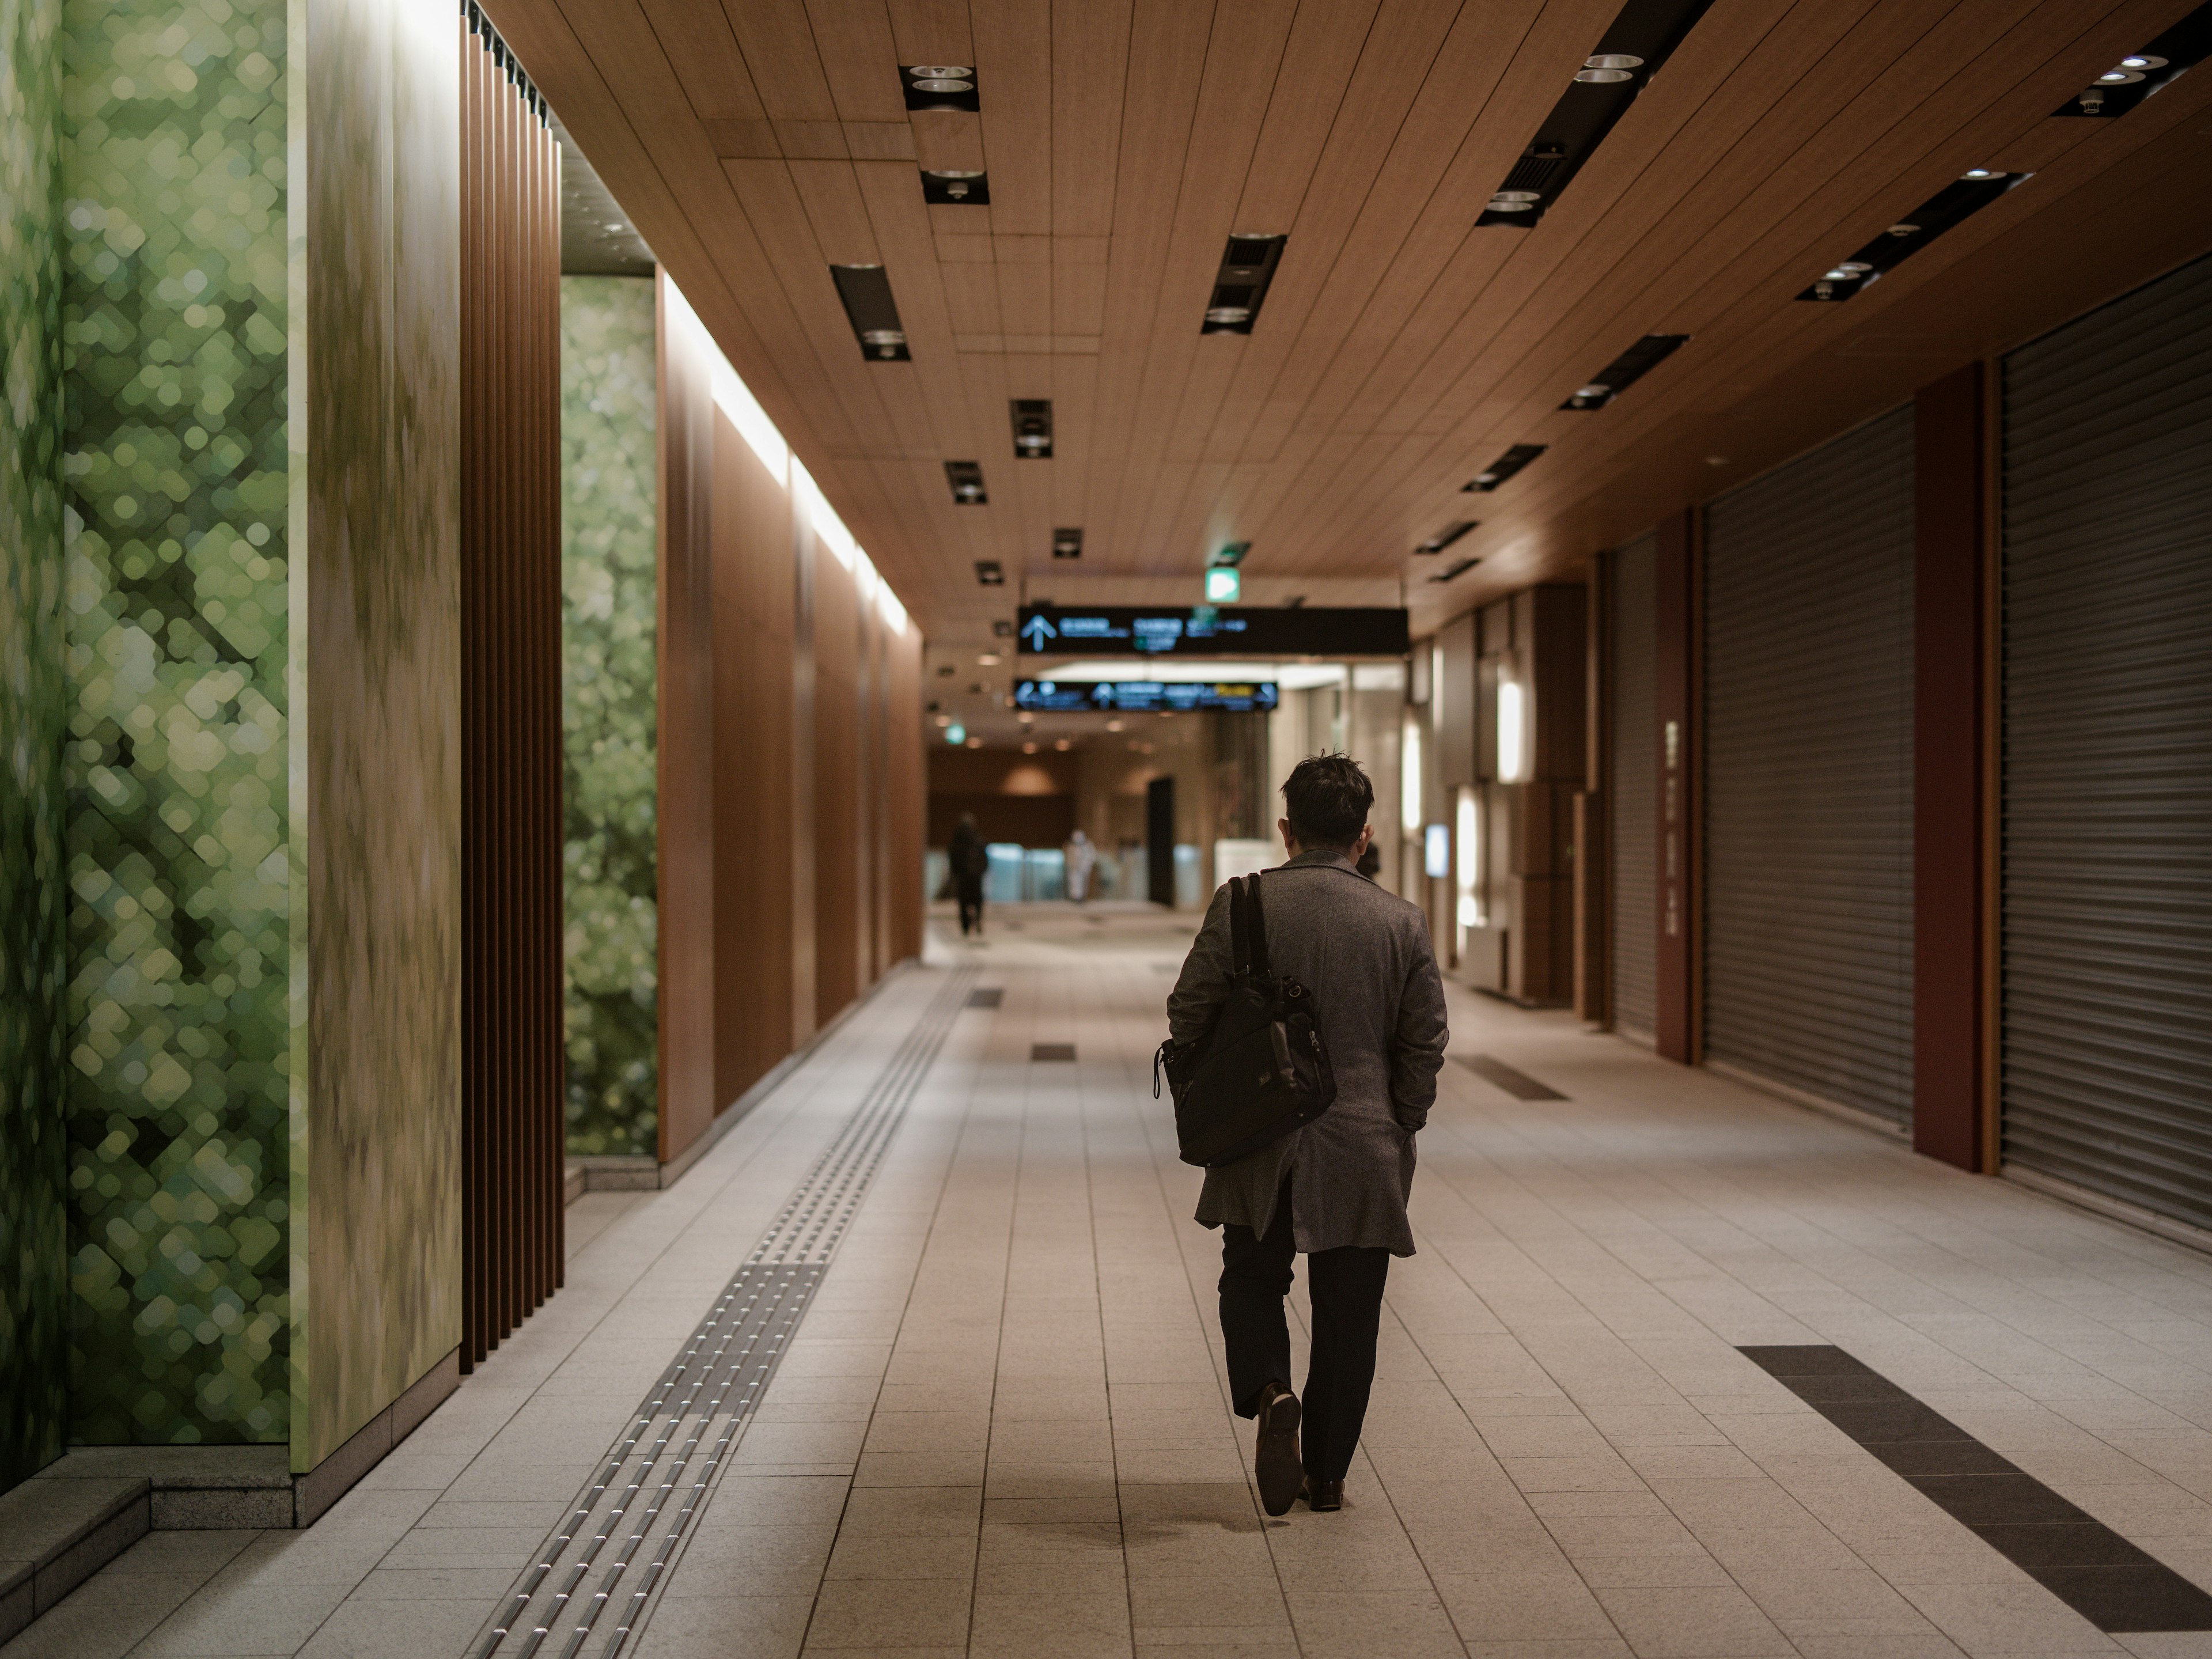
{"x": 1948, "y": 540}
{"x": 1680, "y": 850}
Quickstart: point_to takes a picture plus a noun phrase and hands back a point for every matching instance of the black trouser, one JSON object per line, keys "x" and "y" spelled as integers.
{"x": 971, "y": 905}
{"x": 1346, "y": 1285}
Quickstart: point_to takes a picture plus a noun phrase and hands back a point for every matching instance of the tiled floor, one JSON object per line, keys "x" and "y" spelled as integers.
{"x": 1002, "y": 1429}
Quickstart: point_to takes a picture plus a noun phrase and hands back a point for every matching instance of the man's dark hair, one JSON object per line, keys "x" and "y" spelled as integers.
{"x": 1325, "y": 799}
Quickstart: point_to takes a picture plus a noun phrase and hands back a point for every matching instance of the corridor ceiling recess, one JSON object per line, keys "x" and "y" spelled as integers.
{"x": 1050, "y": 212}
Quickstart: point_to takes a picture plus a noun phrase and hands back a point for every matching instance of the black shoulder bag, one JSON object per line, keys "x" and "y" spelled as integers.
{"x": 1260, "y": 1071}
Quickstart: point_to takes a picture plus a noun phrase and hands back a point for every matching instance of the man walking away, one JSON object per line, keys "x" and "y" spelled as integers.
{"x": 968, "y": 861}
{"x": 1335, "y": 1190}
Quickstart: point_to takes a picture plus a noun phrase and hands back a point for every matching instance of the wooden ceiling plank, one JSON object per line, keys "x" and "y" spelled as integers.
{"x": 778, "y": 43}
{"x": 771, "y": 205}
{"x": 643, "y": 134}
{"x": 1025, "y": 298}
{"x": 1074, "y": 391}
{"x": 926, "y": 293}
{"x": 1013, "y": 65}
{"x": 1090, "y": 63}
{"x": 932, "y": 32}
{"x": 1393, "y": 58}
{"x": 1167, "y": 55}
{"x": 1236, "y": 84}
{"x": 860, "y": 60}
{"x": 831, "y": 197}
{"x": 703, "y": 51}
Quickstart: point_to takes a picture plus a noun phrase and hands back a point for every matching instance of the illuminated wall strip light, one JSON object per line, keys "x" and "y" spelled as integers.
{"x": 735, "y": 400}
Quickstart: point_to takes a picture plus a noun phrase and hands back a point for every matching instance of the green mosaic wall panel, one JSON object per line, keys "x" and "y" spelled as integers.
{"x": 609, "y": 490}
{"x": 175, "y": 283}
{"x": 34, "y": 1150}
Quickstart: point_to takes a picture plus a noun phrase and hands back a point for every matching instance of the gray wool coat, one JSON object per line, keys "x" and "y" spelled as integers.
{"x": 1365, "y": 956}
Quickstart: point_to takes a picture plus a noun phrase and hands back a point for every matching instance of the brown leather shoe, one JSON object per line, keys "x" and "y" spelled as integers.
{"x": 1323, "y": 1496}
{"x": 1275, "y": 1460}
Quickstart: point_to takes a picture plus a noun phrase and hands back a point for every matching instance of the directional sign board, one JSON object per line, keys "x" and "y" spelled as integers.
{"x": 1143, "y": 696}
{"x": 1210, "y": 631}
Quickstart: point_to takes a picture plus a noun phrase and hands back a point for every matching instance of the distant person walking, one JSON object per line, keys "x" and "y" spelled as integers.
{"x": 1334, "y": 1190}
{"x": 968, "y": 861}
{"x": 1082, "y": 858}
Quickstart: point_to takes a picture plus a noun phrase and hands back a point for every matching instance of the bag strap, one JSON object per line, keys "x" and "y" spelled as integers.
{"x": 1258, "y": 925}
{"x": 1239, "y": 928}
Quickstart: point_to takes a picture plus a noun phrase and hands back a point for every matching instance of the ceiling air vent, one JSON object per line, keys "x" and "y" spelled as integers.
{"x": 1453, "y": 572}
{"x": 1948, "y": 208}
{"x": 949, "y": 189}
{"x": 1444, "y": 538}
{"x": 1067, "y": 542}
{"x": 939, "y": 85}
{"x": 1032, "y": 428}
{"x": 966, "y": 478}
{"x": 873, "y": 314}
{"x": 1240, "y": 287}
{"x": 1502, "y": 468}
{"x": 989, "y": 573}
{"x": 1624, "y": 60}
{"x": 1625, "y": 370}
{"x": 2140, "y": 74}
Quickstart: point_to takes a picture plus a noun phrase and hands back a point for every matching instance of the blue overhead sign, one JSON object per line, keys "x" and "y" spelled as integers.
{"x": 1211, "y": 631}
{"x": 1143, "y": 696}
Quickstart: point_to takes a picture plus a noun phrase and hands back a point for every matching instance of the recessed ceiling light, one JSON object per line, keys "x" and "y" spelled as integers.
{"x": 944, "y": 720}
{"x": 1978, "y": 172}
{"x": 2119, "y": 77}
{"x": 1028, "y": 749}
{"x": 1114, "y": 726}
{"x": 942, "y": 83}
{"x": 2142, "y": 60}
{"x": 1063, "y": 745}
{"x": 1903, "y": 230}
{"x": 1603, "y": 76}
{"x": 1228, "y": 313}
{"x": 989, "y": 659}
{"x": 1717, "y": 460}
{"x": 1620, "y": 60}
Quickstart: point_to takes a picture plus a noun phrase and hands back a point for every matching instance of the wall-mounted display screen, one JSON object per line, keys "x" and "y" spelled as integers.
{"x": 1211, "y": 631}
{"x": 1144, "y": 697}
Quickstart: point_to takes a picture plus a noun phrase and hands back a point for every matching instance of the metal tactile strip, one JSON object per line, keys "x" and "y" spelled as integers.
{"x": 706, "y": 1395}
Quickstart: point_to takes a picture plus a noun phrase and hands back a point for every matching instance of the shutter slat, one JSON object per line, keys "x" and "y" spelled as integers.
{"x": 2106, "y": 1075}
{"x": 1808, "y": 772}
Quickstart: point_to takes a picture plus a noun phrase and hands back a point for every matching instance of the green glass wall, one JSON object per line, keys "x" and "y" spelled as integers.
{"x": 33, "y": 698}
{"x": 609, "y": 562}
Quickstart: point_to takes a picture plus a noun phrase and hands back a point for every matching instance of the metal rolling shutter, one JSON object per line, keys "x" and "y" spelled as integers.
{"x": 1808, "y": 772}
{"x": 1632, "y": 780}
{"x": 2106, "y": 1073}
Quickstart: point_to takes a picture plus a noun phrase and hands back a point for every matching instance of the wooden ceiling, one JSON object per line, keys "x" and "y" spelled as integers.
{"x": 755, "y": 143}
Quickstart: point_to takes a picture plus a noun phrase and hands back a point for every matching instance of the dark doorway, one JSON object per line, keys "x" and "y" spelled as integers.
{"x": 1159, "y": 841}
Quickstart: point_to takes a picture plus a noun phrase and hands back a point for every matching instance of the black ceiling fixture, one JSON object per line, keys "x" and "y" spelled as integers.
{"x": 1625, "y": 370}
{"x": 951, "y": 189}
{"x": 1452, "y": 572}
{"x": 1032, "y": 418}
{"x": 1502, "y": 469}
{"x": 1444, "y": 538}
{"x": 940, "y": 86}
{"x": 867, "y": 292}
{"x": 1948, "y": 208}
{"x": 1002, "y": 628}
{"x": 2140, "y": 74}
{"x": 1067, "y": 542}
{"x": 1231, "y": 555}
{"x": 989, "y": 573}
{"x": 1622, "y": 62}
{"x": 966, "y": 478}
{"x": 1241, "y": 285}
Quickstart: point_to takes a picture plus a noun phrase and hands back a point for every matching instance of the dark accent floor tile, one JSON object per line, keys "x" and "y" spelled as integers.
{"x": 1910, "y": 1457}
{"x": 1804, "y": 1359}
{"x": 2130, "y": 1598}
{"x": 1989, "y": 1500}
{"x": 990, "y": 996}
{"x": 1845, "y": 1387}
{"x": 1041, "y": 1051}
{"x": 2036, "y": 1544}
{"x": 1518, "y": 1084}
{"x": 1880, "y": 1420}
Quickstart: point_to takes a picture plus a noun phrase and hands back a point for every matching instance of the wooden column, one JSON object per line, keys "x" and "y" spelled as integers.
{"x": 1592, "y": 857}
{"x": 1680, "y": 850}
{"x": 510, "y": 438}
{"x": 1948, "y": 981}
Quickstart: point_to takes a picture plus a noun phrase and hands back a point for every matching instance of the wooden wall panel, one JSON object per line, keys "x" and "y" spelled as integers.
{"x": 838, "y": 914}
{"x": 686, "y": 750}
{"x": 755, "y": 763}
{"x": 511, "y": 957}
{"x": 908, "y": 785}
{"x": 1677, "y": 812}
